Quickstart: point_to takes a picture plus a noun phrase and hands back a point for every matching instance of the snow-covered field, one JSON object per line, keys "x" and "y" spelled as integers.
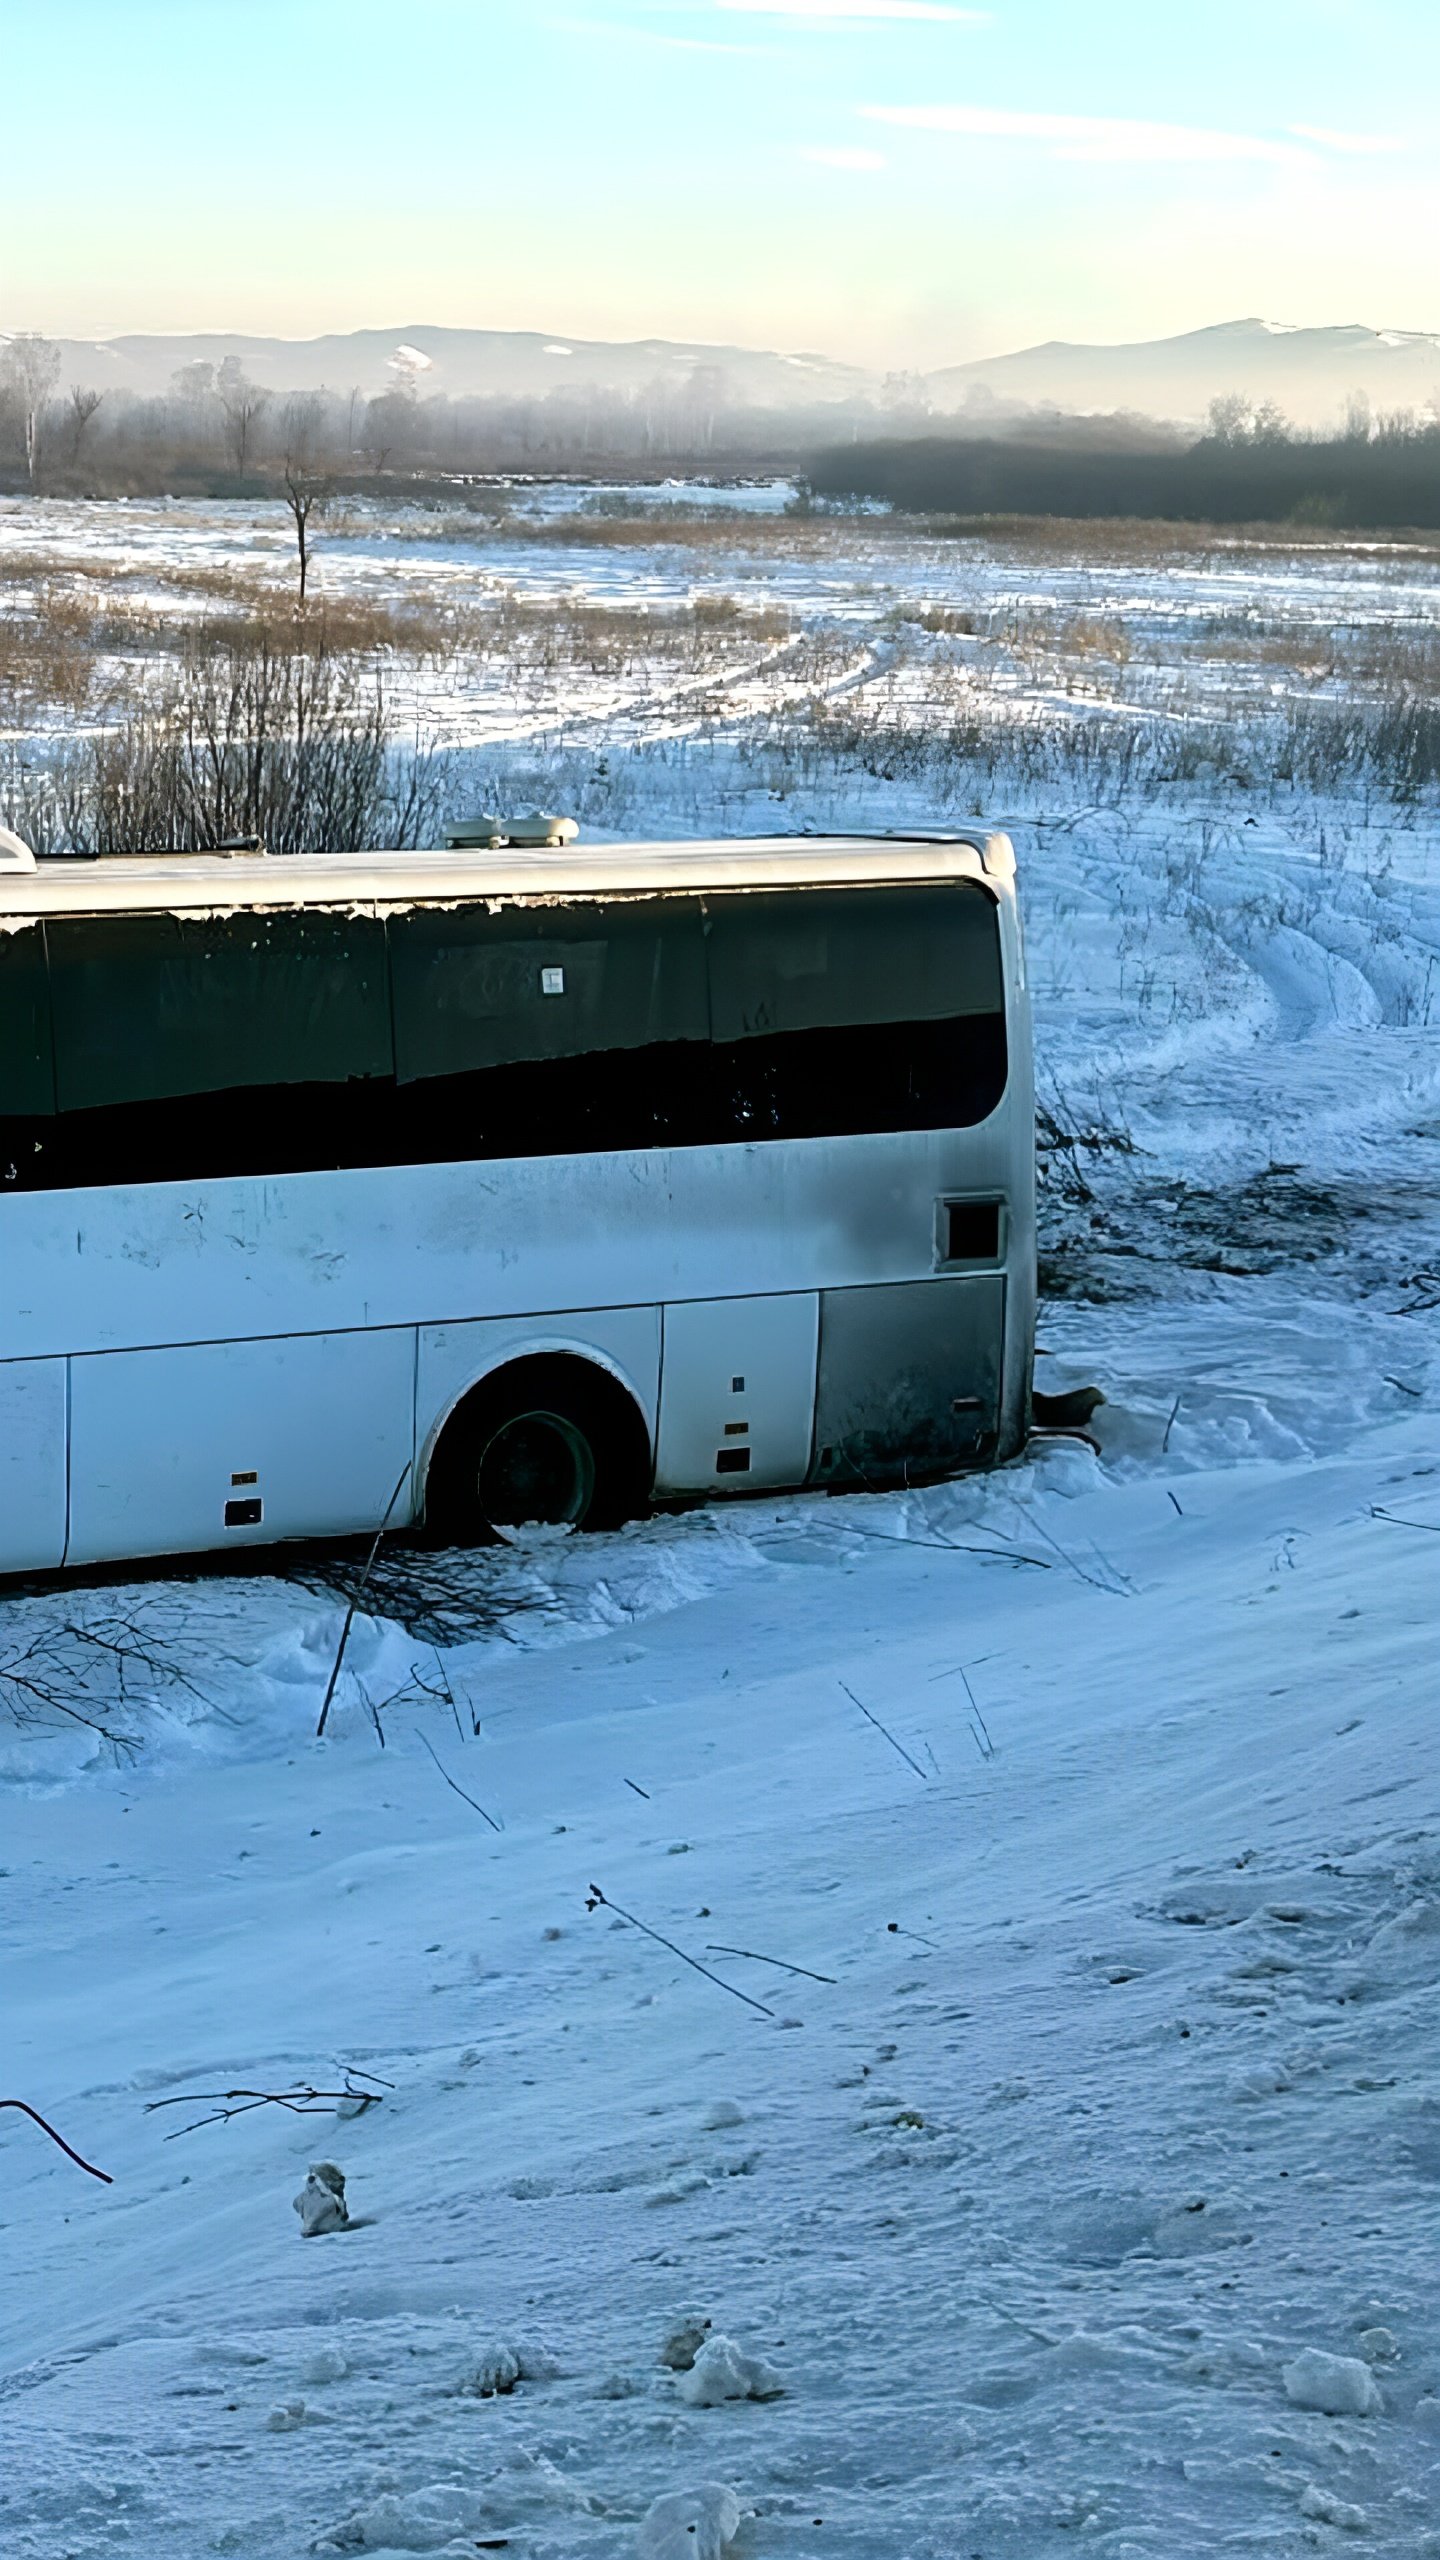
{"x": 1082, "y": 2108}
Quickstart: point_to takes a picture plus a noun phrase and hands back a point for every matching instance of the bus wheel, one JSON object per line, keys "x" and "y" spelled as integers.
{"x": 547, "y": 1444}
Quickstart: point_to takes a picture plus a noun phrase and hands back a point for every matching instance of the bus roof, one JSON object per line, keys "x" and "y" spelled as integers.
{"x": 223, "y": 883}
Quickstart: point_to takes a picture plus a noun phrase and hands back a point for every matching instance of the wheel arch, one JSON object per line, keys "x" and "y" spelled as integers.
{"x": 589, "y": 1360}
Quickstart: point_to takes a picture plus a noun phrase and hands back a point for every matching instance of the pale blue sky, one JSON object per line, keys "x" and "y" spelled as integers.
{"x": 904, "y": 182}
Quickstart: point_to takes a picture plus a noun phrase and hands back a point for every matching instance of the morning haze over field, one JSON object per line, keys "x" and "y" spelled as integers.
{"x": 897, "y": 183}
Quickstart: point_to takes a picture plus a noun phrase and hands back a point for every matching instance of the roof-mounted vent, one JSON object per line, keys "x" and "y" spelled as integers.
{"x": 527, "y": 827}
{"x": 15, "y": 854}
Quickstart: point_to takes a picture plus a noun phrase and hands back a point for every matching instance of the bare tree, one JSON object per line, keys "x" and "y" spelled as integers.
{"x": 83, "y": 405}
{"x": 32, "y": 368}
{"x": 307, "y": 493}
{"x": 390, "y": 423}
{"x": 305, "y": 497}
{"x": 244, "y": 404}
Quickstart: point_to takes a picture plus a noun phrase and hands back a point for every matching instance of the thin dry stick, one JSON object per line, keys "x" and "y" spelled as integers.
{"x": 1169, "y": 1427}
{"x": 751, "y": 1957}
{"x": 459, "y": 1791}
{"x": 88, "y": 2166}
{"x": 600, "y": 1901}
{"x": 950, "y": 1547}
{"x": 986, "y": 1746}
{"x": 243, "y": 2102}
{"x": 885, "y": 1729}
{"x": 357, "y": 1596}
{"x": 1397, "y": 1523}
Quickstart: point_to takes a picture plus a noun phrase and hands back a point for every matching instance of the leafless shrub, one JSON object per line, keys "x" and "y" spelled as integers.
{"x": 102, "y": 1671}
{"x": 257, "y": 737}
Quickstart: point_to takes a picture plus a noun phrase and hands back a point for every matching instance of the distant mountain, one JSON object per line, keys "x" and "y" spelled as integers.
{"x": 1309, "y": 373}
{"x": 474, "y": 363}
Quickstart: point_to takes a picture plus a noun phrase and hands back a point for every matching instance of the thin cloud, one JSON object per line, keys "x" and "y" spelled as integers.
{"x": 844, "y": 157}
{"x": 1351, "y": 145}
{"x": 1117, "y": 138}
{"x": 612, "y": 32}
{"x": 858, "y": 12}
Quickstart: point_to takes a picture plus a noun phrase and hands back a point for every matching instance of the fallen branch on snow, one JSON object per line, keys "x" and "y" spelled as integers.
{"x": 885, "y": 1729}
{"x": 303, "y": 2101}
{"x": 36, "y": 2118}
{"x": 598, "y": 1901}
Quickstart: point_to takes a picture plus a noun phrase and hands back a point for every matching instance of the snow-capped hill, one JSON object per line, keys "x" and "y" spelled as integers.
{"x": 1309, "y": 373}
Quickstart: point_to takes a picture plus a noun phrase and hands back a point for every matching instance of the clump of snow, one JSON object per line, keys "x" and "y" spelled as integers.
{"x": 418, "y": 2520}
{"x": 680, "y": 2188}
{"x": 721, "y": 2116}
{"x": 683, "y": 2341}
{"x": 327, "y": 2364}
{"x": 321, "y": 2202}
{"x": 1321, "y": 2508}
{"x": 1338, "y": 2386}
{"x": 690, "y": 2524}
{"x": 723, "y": 2371}
{"x": 289, "y": 2415}
{"x": 496, "y": 2369}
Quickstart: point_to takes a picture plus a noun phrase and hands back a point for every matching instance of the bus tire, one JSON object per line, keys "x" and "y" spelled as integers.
{"x": 552, "y": 1440}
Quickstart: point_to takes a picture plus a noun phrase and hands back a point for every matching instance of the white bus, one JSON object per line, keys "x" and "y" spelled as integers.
{"x": 492, "y": 1187}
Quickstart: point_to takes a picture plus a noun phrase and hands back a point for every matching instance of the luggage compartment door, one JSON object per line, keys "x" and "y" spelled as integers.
{"x": 737, "y": 1394}
{"x": 33, "y": 1422}
{"x": 219, "y": 1444}
{"x": 909, "y": 1383}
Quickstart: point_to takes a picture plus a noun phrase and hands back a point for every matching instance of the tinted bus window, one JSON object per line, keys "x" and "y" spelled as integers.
{"x": 27, "y": 1082}
{"x": 149, "y": 1007}
{"x": 476, "y": 989}
{"x": 261, "y": 1044}
{"x": 827, "y": 958}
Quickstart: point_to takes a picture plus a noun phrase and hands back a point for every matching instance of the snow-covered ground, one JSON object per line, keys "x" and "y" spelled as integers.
{"x": 1082, "y": 2108}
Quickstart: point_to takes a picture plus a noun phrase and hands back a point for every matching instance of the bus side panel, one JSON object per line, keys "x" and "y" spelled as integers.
{"x": 321, "y": 1252}
{"x": 452, "y": 1358}
{"x": 737, "y": 1394}
{"x": 910, "y": 1379}
{"x": 234, "y": 1443}
{"x": 32, "y": 1464}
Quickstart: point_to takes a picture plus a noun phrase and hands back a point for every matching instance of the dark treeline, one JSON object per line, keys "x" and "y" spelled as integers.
{"x": 1244, "y": 471}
